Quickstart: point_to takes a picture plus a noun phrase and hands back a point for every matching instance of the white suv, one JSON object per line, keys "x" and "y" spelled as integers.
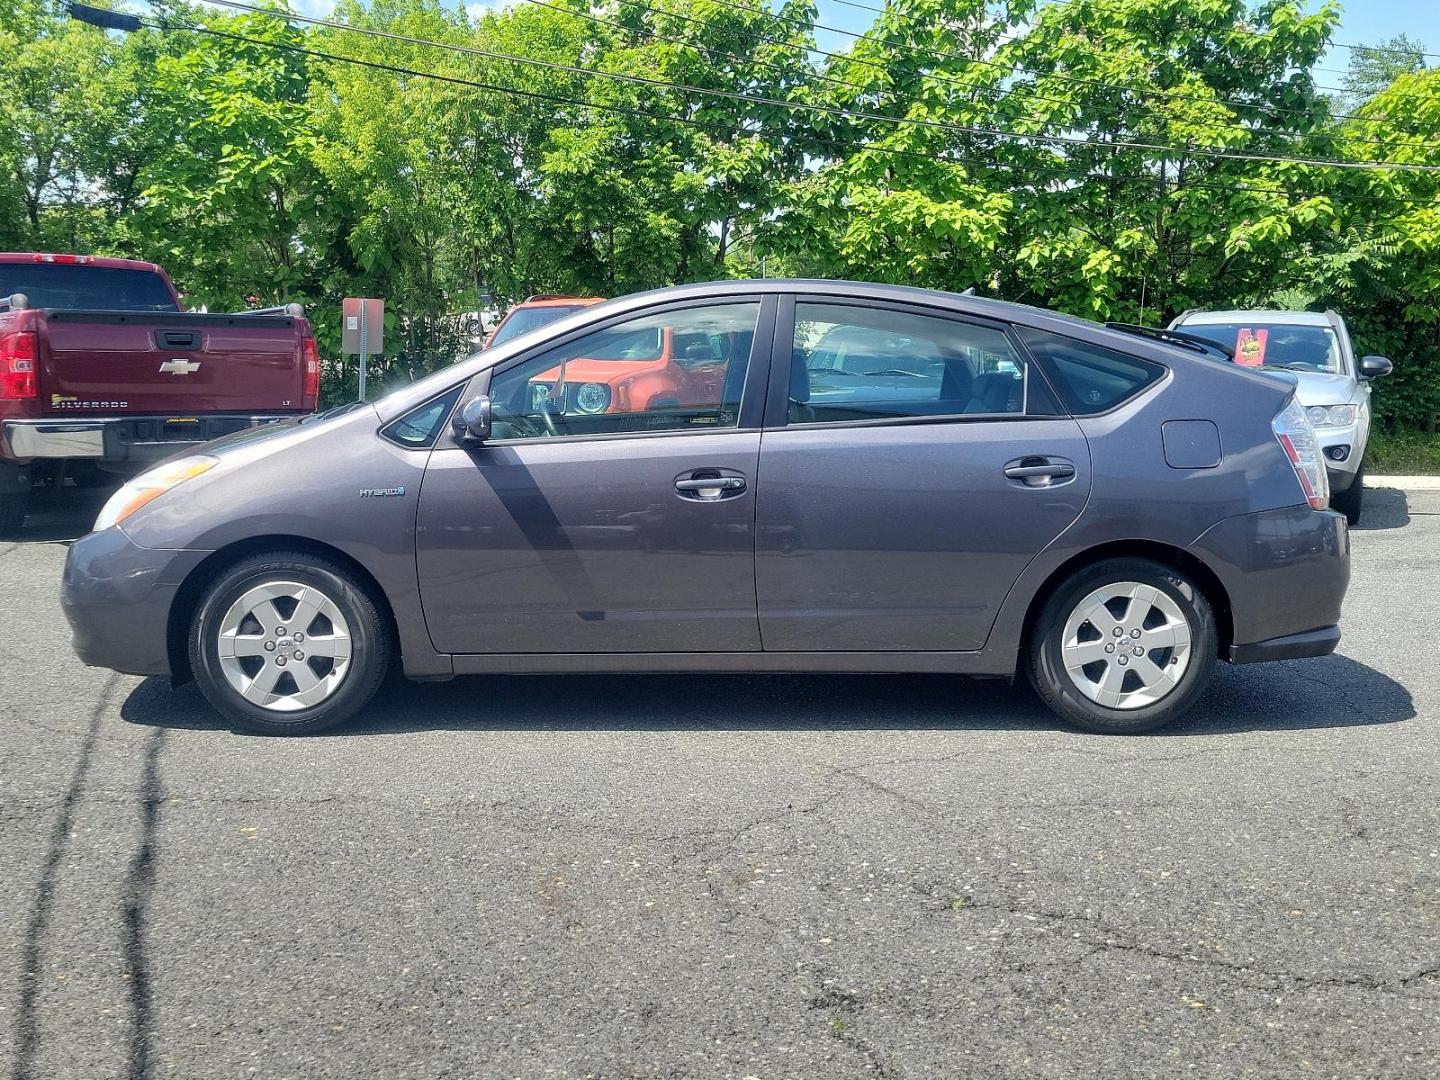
{"x": 1333, "y": 386}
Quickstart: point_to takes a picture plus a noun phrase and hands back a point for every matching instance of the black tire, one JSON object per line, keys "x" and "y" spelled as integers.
{"x": 1053, "y": 683}
{"x": 369, "y": 630}
{"x": 13, "y": 508}
{"x": 1350, "y": 501}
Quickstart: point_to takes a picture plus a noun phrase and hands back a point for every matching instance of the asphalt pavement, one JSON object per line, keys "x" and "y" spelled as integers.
{"x": 728, "y": 876}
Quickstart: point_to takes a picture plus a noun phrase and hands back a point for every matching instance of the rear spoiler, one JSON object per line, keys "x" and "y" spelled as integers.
{"x": 1193, "y": 342}
{"x": 14, "y": 302}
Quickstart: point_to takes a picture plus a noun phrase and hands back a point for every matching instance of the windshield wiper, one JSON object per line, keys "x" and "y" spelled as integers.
{"x": 1178, "y": 338}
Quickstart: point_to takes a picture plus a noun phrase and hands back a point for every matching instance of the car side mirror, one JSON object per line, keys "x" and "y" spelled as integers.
{"x": 1374, "y": 367}
{"x": 472, "y": 422}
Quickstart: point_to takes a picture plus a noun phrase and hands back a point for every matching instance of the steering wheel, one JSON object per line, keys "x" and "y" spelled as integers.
{"x": 547, "y": 416}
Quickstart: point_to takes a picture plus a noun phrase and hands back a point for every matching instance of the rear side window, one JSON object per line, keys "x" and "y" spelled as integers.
{"x": 871, "y": 363}
{"x": 1089, "y": 379}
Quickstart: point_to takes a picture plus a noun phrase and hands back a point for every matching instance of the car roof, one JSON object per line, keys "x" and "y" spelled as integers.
{"x": 12, "y": 257}
{"x": 1255, "y": 315}
{"x": 560, "y": 301}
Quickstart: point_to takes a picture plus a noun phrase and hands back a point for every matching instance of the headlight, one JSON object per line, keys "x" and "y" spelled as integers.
{"x": 151, "y": 485}
{"x": 1332, "y": 415}
{"x": 592, "y": 397}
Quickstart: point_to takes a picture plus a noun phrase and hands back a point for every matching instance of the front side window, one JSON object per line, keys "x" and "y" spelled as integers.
{"x": 671, "y": 371}
{"x": 1276, "y": 345}
{"x": 861, "y": 363}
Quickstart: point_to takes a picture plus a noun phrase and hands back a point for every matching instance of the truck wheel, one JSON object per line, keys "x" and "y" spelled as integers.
{"x": 288, "y": 644}
{"x": 1349, "y": 501}
{"x": 1123, "y": 646}
{"x": 13, "y": 508}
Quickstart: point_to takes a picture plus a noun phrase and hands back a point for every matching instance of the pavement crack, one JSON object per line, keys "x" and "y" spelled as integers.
{"x": 37, "y": 927}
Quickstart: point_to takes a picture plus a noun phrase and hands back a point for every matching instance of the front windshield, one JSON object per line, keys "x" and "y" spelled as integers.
{"x": 523, "y": 320}
{"x": 1276, "y": 345}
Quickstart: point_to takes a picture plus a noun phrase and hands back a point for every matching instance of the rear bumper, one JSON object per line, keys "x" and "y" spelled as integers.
{"x": 1319, "y": 642}
{"x": 123, "y": 438}
{"x": 1285, "y": 573}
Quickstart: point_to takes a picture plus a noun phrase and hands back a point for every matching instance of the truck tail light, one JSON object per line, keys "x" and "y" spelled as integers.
{"x": 18, "y": 354}
{"x": 66, "y": 260}
{"x": 1297, "y": 438}
{"x": 310, "y": 357}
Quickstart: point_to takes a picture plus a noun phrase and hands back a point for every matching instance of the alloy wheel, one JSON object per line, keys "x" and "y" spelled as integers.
{"x": 1126, "y": 645}
{"x": 284, "y": 646}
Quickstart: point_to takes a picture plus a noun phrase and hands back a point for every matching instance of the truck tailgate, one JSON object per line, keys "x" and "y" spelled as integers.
{"x": 121, "y": 363}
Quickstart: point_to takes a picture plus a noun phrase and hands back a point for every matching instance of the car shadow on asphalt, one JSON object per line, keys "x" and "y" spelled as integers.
{"x": 1301, "y": 695}
{"x": 1385, "y": 508}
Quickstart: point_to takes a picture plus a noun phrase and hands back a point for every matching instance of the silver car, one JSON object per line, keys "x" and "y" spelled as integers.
{"x": 1331, "y": 384}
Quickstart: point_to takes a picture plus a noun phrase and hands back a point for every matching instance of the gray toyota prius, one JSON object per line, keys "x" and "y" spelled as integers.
{"x": 742, "y": 476}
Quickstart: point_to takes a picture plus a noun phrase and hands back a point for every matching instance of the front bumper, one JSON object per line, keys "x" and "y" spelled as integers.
{"x": 1285, "y": 572}
{"x": 117, "y": 597}
{"x": 1347, "y": 440}
{"x": 123, "y": 438}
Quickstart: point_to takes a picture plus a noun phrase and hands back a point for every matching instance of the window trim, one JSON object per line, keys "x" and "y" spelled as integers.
{"x": 777, "y": 403}
{"x": 751, "y": 392}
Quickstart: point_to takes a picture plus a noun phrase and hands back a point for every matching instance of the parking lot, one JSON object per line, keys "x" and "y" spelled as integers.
{"x": 729, "y": 876}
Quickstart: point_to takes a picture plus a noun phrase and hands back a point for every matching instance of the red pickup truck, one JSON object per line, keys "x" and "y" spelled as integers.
{"x": 98, "y": 365}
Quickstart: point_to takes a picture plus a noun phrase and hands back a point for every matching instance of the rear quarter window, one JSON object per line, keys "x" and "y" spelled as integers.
{"x": 1089, "y": 378}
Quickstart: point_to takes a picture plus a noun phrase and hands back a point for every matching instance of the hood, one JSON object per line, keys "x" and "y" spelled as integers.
{"x": 1319, "y": 388}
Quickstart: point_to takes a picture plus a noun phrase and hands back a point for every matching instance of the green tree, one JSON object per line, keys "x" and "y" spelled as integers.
{"x": 1373, "y": 68}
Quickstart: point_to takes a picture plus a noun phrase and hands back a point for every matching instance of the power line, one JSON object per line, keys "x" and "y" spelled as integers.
{"x": 1333, "y": 44}
{"x": 1118, "y": 111}
{"x": 852, "y": 114}
{"x": 1027, "y": 170}
{"x": 1080, "y": 80}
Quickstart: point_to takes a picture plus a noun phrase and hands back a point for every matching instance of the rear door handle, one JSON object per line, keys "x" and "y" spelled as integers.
{"x": 708, "y": 485}
{"x": 1038, "y": 471}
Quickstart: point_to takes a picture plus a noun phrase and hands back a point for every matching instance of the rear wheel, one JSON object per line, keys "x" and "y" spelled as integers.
{"x": 288, "y": 644}
{"x": 1349, "y": 501}
{"x": 13, "y": 508}
{"x": 1122, "y": 647}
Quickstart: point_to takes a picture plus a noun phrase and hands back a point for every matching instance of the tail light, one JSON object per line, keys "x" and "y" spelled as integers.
{"x": 1297, "y": 438}
{"x": 310, "y": 357}
{"x": 18, "y": 353}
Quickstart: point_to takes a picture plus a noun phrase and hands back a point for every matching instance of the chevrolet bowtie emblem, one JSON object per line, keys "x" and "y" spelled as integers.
{"x": 179, "y": 367}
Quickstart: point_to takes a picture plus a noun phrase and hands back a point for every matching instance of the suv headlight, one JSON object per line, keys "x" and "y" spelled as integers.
{"x": 1322, "y": 416}
{"x": 149, "y": 486}
{"x": 592, "y": 397}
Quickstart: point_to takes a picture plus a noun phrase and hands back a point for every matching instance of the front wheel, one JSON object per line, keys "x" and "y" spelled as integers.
{"x": 1350, "y": 501}
{"x": 288, "y": 644}
{"x": 1122, "y": 647}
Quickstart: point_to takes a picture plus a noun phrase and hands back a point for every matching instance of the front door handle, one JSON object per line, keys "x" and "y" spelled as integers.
{"x": 1038, "y": 471}
{"x": 708, "y": 485}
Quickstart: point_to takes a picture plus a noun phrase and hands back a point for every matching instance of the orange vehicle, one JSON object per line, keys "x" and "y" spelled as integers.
{"x": 535, "y": 311}
{"x": 641, "y": 370}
